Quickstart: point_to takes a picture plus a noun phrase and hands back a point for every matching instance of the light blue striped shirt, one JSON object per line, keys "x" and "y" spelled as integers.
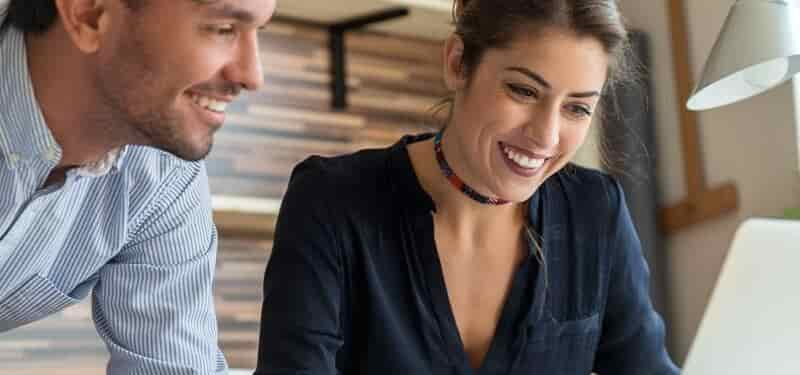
{"x": 137, "y": 232}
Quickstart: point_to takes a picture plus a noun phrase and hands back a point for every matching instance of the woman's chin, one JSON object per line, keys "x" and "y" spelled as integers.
{"x": 519, "y": 195}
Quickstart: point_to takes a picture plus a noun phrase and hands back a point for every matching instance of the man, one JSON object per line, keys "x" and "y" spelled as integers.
{"x": 106, "y": 108}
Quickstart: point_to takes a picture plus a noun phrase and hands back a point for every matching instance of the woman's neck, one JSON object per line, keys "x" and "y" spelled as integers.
{"x": 469, "y": 219}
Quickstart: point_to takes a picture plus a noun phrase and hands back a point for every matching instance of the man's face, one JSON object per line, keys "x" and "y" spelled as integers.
{"x": 168, "y": 69}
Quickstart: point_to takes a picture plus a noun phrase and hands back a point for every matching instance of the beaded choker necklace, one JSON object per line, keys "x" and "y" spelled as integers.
{"x": 456, "y": 181}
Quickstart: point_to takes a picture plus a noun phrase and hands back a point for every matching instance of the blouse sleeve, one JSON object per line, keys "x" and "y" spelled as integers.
{"x": 633, "y": 333}
{"x": 303, "y": 283}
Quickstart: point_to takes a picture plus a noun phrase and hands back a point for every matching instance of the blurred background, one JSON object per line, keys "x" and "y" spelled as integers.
{"x": 393, "y": 81}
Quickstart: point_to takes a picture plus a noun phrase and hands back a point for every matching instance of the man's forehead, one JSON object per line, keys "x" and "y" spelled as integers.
{"x": 247, "y": 11}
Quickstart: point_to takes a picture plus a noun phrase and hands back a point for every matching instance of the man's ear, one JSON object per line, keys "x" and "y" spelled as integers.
{"x": 454, "y": 76}
{"x": 85, "y": 21}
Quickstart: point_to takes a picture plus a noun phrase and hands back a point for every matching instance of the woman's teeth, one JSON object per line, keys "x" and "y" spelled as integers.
{"x": 522, "y": 160}
{"x": 210, "y": 103}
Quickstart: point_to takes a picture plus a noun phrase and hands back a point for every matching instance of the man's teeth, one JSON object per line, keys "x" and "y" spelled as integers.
{"x": 210, "y": 103}
{"x": 523, "y": 160}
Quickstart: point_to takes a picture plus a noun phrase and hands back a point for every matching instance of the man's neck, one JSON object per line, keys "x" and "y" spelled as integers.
{"x": 65, "y": 95}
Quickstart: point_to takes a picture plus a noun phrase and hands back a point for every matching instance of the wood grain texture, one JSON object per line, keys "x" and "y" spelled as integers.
{"x": 692, "y": 157}
{"x": 702, "y": 203}
{"x": 393, "y": 83}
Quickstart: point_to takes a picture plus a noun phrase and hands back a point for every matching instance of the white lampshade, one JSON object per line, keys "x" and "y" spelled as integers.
{"x": 757, "y": 49}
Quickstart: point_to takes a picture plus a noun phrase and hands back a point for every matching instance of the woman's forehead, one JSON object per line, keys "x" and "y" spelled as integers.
{"x": 565, "y": 60}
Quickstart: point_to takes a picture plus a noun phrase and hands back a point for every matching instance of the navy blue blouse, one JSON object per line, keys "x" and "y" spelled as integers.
{"x": 354, "y": 284}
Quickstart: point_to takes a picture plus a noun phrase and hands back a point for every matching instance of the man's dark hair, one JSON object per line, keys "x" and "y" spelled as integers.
{"x": 34, "y": 16}
{"x": 37, "y": 16}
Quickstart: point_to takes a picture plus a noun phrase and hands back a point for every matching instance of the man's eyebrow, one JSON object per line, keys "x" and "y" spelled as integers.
{"x": 228, "y": 11}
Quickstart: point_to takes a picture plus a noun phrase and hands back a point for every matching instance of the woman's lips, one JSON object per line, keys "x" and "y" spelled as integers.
{"x": 522, "y": 162}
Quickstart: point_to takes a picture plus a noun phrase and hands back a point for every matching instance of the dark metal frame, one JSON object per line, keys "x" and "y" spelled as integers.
{"x": 338, "y": 49}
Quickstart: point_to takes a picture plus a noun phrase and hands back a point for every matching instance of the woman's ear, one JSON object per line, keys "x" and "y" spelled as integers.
{"x": 454, "y": 76}
{"x": 458, "y": 8}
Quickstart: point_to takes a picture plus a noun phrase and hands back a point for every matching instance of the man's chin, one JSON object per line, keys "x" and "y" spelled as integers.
{"x": 189, "y": 152}
{"x": 196, "y": 156}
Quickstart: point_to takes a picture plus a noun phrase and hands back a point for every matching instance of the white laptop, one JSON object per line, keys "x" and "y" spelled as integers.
{"x": 752, "y": 322}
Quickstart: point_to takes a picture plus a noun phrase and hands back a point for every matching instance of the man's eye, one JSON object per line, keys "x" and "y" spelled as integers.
{"x": 223, "y": 30}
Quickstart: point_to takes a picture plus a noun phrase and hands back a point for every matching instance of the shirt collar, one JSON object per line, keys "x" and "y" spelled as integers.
{"x": 111, "y": 163}
{"x": 24, "y": 134}
{"x": 405, "y": 182}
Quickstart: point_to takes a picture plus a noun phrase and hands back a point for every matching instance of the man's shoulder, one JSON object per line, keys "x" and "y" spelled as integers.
{"x": 138, "y": 157}
{"x": 150, "y": 168}
{"x": 158, "y": 184}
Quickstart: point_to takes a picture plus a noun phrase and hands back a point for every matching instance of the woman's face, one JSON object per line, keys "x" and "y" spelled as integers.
{"x": 524, "y": 112}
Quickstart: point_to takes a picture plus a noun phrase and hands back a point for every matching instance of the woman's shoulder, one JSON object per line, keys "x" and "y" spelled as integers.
{"x": 360, "y": 174}
{"x": 364, "y": 178}
{"x": 341, "y": 176}
{"x": 591, "y": 187}
{"x": 348, "y": 169}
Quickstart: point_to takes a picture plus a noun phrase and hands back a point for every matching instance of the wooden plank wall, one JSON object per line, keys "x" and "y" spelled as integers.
{"x": 394, "y": 81}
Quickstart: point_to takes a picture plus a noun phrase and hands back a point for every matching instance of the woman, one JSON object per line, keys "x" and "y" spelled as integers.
{"x": 479, "y": 249}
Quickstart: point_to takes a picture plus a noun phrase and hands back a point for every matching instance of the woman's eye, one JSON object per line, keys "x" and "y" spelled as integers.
{"x": 580, "y": 111}
{"x": 522, "y": 91}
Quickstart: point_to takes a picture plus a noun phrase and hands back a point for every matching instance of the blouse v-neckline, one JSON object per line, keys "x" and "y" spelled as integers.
{"x": 526, "y": 291}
